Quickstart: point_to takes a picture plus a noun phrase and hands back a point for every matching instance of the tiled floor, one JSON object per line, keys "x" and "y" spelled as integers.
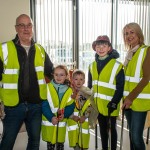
{"x": 21, "y": 140}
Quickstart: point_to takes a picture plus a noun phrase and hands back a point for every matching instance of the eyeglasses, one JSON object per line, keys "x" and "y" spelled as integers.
{"x": 23, "y": 26}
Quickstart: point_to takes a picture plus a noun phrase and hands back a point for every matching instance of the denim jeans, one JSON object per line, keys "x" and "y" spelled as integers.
{"x": 31, "y": 114}
{"x": 136, "y": 122}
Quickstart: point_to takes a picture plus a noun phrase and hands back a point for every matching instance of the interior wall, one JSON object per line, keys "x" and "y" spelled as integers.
{"x": 9, "y": 11}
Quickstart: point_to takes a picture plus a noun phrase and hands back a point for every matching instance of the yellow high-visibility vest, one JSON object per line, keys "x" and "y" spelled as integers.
{"x": 49, "y": 131}
{"x": 79, "y": 133}
{"x": 104, "y": 85}
{"x": 9, "y": 83}
{"x": 133, "y": 75}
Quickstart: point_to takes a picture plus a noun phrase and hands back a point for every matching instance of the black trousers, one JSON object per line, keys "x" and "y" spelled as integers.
{"x": 104, "y": 130}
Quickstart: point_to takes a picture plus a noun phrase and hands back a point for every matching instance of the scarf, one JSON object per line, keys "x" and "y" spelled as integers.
{"x": 130, "y": 54}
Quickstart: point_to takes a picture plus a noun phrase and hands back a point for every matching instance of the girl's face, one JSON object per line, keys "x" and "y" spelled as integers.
{"x": 60, "y": 75}
{"x": 78, "y": 81}
{"x": 131, "y": 37}
{"x": 102, "y": 49}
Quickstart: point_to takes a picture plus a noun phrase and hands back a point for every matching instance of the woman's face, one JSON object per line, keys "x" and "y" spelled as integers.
{"x": 131, "y": 37}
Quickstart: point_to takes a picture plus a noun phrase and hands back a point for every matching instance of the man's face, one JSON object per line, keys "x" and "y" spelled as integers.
{"x": 24, "y": 28}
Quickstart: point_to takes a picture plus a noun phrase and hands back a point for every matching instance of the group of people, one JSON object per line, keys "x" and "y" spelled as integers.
{"x": 64, "y": 103}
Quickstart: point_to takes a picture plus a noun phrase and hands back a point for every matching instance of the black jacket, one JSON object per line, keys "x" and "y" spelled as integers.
{"x": 119, "y": 78}
{"x": 28, "y": 88}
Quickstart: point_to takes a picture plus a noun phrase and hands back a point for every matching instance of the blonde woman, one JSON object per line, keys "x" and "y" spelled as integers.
{"x": 137, "y": 85}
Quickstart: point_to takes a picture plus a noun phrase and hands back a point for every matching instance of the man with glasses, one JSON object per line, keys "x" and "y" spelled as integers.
{"x": 24, "y": 65}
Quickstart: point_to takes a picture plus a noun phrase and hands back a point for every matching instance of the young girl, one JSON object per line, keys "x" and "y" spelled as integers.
{"x": 56, "y": 109}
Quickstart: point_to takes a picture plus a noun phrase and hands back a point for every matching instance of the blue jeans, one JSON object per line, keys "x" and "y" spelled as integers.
{"x": 31, "y": 115}
{"x": 136, "y": 122}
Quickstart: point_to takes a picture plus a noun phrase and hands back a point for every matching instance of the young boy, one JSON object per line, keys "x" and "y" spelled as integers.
{"x": 78, "y": 125}
{"x": 106, "y": 77}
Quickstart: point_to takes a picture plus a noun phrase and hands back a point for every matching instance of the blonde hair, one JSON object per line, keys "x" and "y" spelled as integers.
{"x": 138, "y": 31}
{"x": 78, "y": 72}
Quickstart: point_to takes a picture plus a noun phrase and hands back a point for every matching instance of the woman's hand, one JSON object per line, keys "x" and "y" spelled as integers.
{"x": 127, "y": 103}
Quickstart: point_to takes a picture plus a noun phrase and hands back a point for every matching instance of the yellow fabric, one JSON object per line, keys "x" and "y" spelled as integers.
{"x": 12, "y": 63}
{"x": 77, "y": 136}
{"x": 104, "y": 77}
{"x": 139, "y": 104}
{"x": 56, "y": 133}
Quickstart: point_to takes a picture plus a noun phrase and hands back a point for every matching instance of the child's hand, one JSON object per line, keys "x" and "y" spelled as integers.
{"x": 61, "y": 117}
{"x": 60, "y": 114}
{"x": 82, "y": 119}
{"x": 76, "y": 118}
{"x": 54, "y": 120}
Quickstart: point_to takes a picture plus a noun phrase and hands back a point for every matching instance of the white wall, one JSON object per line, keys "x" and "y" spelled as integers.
{"x": 9, "y": 11}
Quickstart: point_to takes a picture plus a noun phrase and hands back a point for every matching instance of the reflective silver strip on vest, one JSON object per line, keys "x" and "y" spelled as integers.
{"x": 133, "y": 79}
{"x": 104, "y": 84}
{"x": 113, "y": 73}
{"x": 11, "y": 71}
{"x": 69, "y": 99}
{"x": 73, "y": 127}
{"x": 86, "y": 120}
{"x": 138, "y": 65}
{"x": 140, "y": 96}
{"x": 102, "y": 96}
{"x": 62, "y": 124}
{"x": 39, "y": 68}
{"x": 85, "y": 131}
{"x": 49, "y": 98}
{"x": 76, "y": 113}
{"x": 42, "y": 81}
{"x": 5, "y": 52}
{"x": 47, "y": 123}
{"x": 111, "y": 80}
{"x": 10, "y": 86}
{"x": 136, "y": 78}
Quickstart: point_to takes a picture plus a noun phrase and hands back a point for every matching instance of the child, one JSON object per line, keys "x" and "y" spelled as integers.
{"x": 106, "y": 77}
{"x": 56, "y": 109}
{"x": 78, "y": 125}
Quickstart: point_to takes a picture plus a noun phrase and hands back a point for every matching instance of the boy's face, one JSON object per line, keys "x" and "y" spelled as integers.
{"x": 78, "y": 81}
{"x": 102, "y": 49}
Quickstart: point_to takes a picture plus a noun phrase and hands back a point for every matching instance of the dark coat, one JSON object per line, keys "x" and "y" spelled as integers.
{"x": 28, "y": 88}
{"x": 119, "y": 78}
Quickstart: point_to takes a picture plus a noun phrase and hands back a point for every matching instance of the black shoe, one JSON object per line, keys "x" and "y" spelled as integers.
{"x": 50, "y": 146}
{"x": 60, "y": 146}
